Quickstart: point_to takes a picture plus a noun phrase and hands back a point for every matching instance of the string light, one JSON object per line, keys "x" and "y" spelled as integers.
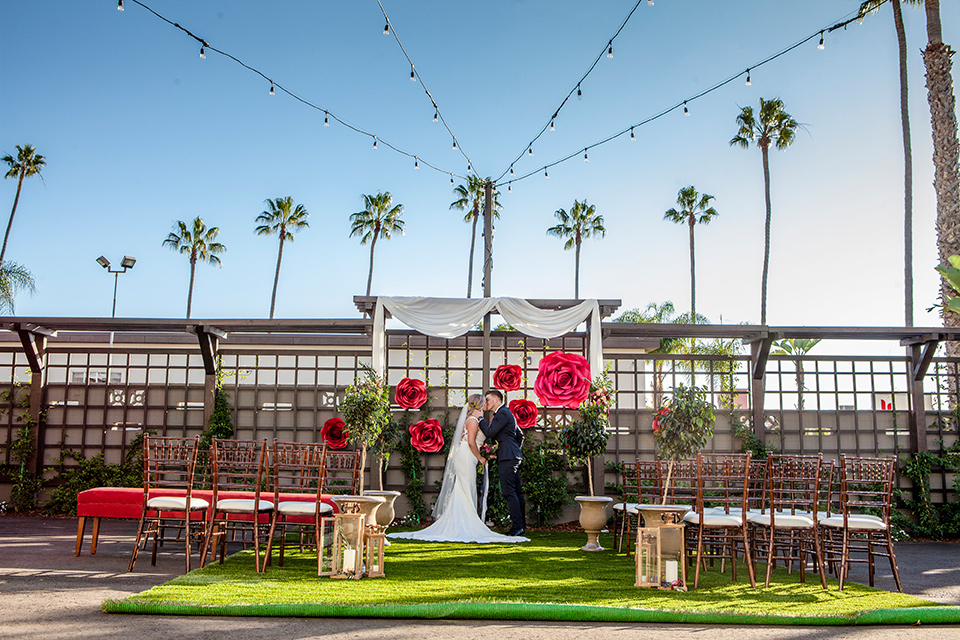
{"x": 686, "y": 111}
{"x": 469, "y": 168}
{"x": 650, "y": 2}
{"x": 820, "y": 46}
{"x": 413, "y": 77}
{"x": 326, "y": 119}
{"x": 579, "y": 93}
{"x": 386, "y": 29}
{"x": 748, "y": 78}
{"x": 610, "y": 50}
{"x": 511, "y": 170}
{"x": 374, "y": 143}
{"x": 530, "y": 151}
{"x": 272, "y": 92}
{"x": 203, "y": 55}
{"x": 585, "y": 158}
{"x": 509, "y": 188}
{"x": 545, "y": 174}
{"x": 553, "y": 127}
{"x": 120, "y": 5}
{"x": 451, "y": 178}
{"x": 416, "y": 163}
{"x": 454, "y": 144}
{"x": 632, "y": 136}
{"x": 436, "y": 116}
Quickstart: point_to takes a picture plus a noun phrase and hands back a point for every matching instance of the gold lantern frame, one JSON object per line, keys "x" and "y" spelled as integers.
{"x": 375, "y": 540}
{"x": 348, "y": 538}
{"x": 656, "y": 549}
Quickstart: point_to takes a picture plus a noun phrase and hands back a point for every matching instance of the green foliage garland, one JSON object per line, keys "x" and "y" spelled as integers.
{"x": 933, "y": 520}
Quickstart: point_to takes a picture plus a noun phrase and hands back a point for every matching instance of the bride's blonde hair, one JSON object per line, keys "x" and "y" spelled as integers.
{"x": 475, "y": 401}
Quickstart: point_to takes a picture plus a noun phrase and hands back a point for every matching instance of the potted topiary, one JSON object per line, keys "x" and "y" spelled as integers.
{"x": 585, "y": 438}
{"x": 366, "y": 411}
{"x": 682, "y": 427}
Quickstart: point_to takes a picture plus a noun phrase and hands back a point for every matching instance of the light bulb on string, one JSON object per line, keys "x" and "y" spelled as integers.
{"x": 374, "y": 144}
{"x": 469, "y": 168}
{"x": 748, "y": 78}
{"x": 530, "y": 151}
{"x": 413, "y": 77}
{"x": 454, "y": 144}
{"x": 545, "y": 174}
{"x": 272, "y": 92}
{"x": 650, "y": 2}
{"x": 326, "y": 119}
{"x": 585, "y": 158}
{"x": 686, "y": 111}
{"x": 386, "y": 29}
{"x": 820, "y": 46}
{"x": 416, "y": 163}
{"x": 120, "y": 5}
{"x": 451, "y": 178}
{"x": 553, "y": 127}
{"x": 436, "y": 116}
{"x": 579, "y": 93}
{"x": 632, "y": 136}
{"x": 203, "y": 54}
{"x": 511, "y": 170}
{"x": 509, "y": 188}
{"x": 610, "y": 50}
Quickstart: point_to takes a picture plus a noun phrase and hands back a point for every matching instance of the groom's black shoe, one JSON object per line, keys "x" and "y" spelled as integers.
{"x": 516, "y": 532}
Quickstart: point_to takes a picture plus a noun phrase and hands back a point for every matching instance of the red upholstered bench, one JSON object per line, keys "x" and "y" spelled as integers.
{"x": 127, "y": 503}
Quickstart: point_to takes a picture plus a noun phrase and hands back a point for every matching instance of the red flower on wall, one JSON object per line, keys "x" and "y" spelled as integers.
{"x": 333, "y": 433}
{"x": 665, "y": 411}
{"x": 508, "y": 377}
{"x": 525, "y": 412}
{"x": 563, "y": 380}
{"x": 411, "y": 393}
{"x": 426, "y": 435}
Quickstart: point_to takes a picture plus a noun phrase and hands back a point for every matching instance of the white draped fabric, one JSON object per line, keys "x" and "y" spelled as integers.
{"x": 452, "y": 317}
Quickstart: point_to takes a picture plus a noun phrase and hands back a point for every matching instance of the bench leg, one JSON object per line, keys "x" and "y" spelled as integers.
{"x": 81, "y": 525}
{"x": 94, "y": 535}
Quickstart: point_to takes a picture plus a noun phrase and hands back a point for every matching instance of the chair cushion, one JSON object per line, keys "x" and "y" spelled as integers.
{"x": 713, "y": 519}
{"x": 861, "y": 523}
{"x": 298, "y": 508}
{"x": 243, "y": 506}
{"x": 177, "y": 503}
{"x": 796, "y": 520}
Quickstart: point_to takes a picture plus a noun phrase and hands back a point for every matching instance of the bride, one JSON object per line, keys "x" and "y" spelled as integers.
{"x": 456, "y": 508}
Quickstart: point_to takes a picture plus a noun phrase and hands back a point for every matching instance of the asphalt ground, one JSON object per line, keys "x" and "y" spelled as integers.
{"x": 47, "y": 592}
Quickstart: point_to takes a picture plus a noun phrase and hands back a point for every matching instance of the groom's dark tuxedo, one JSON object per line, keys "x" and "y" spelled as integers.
{"x": 503, "y": 430}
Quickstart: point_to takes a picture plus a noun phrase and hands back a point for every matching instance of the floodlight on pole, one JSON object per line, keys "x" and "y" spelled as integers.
{"x": 126, "y": 263}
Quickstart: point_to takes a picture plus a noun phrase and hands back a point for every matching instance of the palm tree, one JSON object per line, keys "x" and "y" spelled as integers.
{"x": 472, "y": 195}
{"x": 946, "y": 155}
{"x": 868, "y": 7}
{"x": 198, "y": 243}
{"x": 13, "y": 278}
{"x": 28, "y": 163}
{"x": 796, "y": 347}
{"x": 772, "y": 125}
{"x": 694, "y": 209}
{"x": 581, "y": 223}
{"x": 282, "y": 218}
{"x": 377, "y": 219}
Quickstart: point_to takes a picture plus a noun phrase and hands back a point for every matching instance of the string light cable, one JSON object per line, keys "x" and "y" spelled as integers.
{"x": 606, "y": 50}
{"x": 391, "y": 29}
{"x": 328, "y": 115}
{"x": 681, "y": 104}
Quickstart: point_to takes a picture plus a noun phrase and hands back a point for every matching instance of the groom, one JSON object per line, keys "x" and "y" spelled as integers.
{"x": 503, "y": 429}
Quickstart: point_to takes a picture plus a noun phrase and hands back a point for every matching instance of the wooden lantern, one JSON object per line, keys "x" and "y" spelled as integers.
{"x": 375, "y": 539}
{"x": 325, "y": 552}
{"x": 660, "y": 556}
{"x": 348, "y": 530}
{"x": 647, "y": 554}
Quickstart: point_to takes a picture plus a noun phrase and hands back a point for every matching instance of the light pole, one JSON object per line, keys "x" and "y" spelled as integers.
{"x": 126, "y": 263}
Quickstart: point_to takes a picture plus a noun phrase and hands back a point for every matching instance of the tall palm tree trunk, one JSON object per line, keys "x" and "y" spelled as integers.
{"x": 276, "y": 278}
{"x": 693, "y": 284}
{"x": 373, "y": 245}
{"x": 766, "y": 234}
{"x": 193, "y": 271}
{"x": 576, "y": 274}
{"x": 907, "y": 169}
{"x": 473, "y": 242}
{"x": 16, "y": 199}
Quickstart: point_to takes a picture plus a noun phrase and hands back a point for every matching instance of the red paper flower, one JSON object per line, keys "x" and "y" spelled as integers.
{"x": 563, "y": 380}
{"x": 525, "y": 412}
{"x": 411, "y": 393}
{"x": 508, "y": 377}
{"x": 333, "y": 433}
{"x": 426, "y": 436}
{"x": 656, "y": 418}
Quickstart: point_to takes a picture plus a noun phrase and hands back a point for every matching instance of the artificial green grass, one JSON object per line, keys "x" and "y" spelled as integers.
{"x": 549, "y": 570}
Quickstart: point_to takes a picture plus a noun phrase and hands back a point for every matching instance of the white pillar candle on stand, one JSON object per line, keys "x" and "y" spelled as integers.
{"x": 671, "y": 571}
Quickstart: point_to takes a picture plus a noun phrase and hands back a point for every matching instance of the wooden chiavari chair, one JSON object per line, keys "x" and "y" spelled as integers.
{"x": 168, "y": 467}
{"x": 625, "y": 511}
{"x": 237, "y": 466}
{"x": 342, "y": 473}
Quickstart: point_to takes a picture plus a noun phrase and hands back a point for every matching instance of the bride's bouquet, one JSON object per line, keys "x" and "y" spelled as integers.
{"x": 489, "y": 452}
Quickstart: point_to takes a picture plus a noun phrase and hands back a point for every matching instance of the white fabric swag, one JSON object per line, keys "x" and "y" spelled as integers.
{"x": 452, "y": 317}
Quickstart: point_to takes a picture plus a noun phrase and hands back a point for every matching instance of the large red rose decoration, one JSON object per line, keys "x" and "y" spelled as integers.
{"x": 411, "y": 393}
{"x": 426, "y": 436}
{"x": 525, "y": 412}
{"x": 563, "y": 380}
{"x": 333, "y": 433}
{"x": 508, "y": 377}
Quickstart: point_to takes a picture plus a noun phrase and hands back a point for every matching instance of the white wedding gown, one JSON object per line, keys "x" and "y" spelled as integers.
{"x": 458, "y": 520}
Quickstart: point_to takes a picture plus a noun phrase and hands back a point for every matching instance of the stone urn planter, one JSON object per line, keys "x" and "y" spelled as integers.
{"x": 385, "y": 512}
{"x": 593, "y": 518}
{"x": 367, "y": 505}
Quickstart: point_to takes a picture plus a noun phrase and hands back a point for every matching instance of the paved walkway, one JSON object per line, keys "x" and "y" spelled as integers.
{"x": 46, "y": 592}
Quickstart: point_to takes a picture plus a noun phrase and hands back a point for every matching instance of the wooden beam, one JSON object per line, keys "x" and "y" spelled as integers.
{"x": 760, "y": 356}
{"x": 920, "y": 366}
{"x": 33, "y": 348}
{"x": 208, "y": 350}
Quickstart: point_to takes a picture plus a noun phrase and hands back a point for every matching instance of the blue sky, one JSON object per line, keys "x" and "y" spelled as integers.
{"x": 139, "y": 132}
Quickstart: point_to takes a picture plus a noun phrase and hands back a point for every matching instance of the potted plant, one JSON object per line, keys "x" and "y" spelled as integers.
{"x": 366, "y": 411}
{"x": 585, "y": 438}
{"x": 682, "y": 427}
